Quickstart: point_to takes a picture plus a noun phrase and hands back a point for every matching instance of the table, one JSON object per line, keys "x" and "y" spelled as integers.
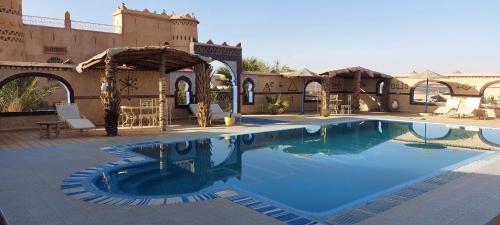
{"x": 47, "y": 128}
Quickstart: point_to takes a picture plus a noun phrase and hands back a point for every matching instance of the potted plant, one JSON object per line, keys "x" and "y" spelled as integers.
{"x": 229, "y": 119}
{"x": 276, "y": 104}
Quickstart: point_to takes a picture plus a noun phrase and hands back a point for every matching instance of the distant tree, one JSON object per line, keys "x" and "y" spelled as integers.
{"x": 255, "y": 64}
{"x": 227, "y": 80}
{"x": 278, "y": 68}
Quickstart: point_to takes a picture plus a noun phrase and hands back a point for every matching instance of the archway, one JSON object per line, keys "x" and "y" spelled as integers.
{"x": 33, "y": 93}
{"x": 231, "y": 56}
{"x": 182, "y": 92}
{"x": 438, "y": 92}
{"x": 491, "y": 92}
{"x": 312, "y": 91}
{"x": 224, "y": 86}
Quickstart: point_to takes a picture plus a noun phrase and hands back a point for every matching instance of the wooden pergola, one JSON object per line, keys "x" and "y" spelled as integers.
{"x": 150, "y": 58}
{"x": 355, "y": 73}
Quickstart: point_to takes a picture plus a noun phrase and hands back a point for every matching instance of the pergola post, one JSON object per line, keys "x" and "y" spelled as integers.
{"x": 110, "y": 97}
{"x": 385, "y": 100}
{"x": 162, "y": 88}
{"x": 203, "y": 72}
{"x": 356, "y": 83}
{"x": 325, "y": 95}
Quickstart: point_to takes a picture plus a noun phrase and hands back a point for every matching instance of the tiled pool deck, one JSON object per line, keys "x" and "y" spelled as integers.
{"x": 467, "y": 196}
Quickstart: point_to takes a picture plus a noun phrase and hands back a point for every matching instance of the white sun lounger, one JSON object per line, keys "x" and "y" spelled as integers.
{"x": 469, "y": 107}
{"x": 451, "y": 104}
{"x": 216, "y": 112}
{"x": 70, "y": 114}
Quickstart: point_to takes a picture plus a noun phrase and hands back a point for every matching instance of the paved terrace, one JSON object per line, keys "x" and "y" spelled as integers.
{"x": 31, "y": 170}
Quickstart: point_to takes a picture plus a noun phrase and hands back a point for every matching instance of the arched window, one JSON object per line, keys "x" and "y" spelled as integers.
{"x": 33, "y": 93}
{"x": 248, "y": 92}
{"x": 438, "y": 92}
{"x": 380, "y": 88}
{"x": 55, "y": 60}
{"x": 491, "y": 93}
{"x": 182, "y": 92}
{"x": 312, "y": 91}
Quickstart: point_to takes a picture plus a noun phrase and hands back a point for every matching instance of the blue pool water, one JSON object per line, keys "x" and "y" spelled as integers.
{"x": 314, "y": 169}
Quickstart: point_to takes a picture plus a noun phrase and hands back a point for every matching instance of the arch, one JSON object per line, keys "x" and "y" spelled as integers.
{"x": 484, "y": 136}
{"x": 234, "y": 81}
{"x": 437, "y": 129}
{"x": 412, "y": 90}
{"x": 308, "y": 98}
{"x": 187, "y": 91}
{"x": 379, "y": 88}
{"x": 248, "y": 92}
{"x": 486, "y": 86}
{"x": 183, "y": 148}
{"x": 69, "y": 89}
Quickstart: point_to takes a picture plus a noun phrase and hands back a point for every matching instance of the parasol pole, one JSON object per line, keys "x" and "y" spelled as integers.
{"x": 426, "y": 94}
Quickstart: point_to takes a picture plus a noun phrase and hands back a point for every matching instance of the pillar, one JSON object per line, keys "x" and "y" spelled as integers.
{"x": 111, "y": 97}
{"x": 356, "y": 91}
{"x": 163, "y": 87}
{"x": 385, "y": 99}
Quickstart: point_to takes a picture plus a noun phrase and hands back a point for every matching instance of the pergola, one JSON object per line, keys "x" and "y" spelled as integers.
{"x": 150, "y": 58}
{"x": 355, "y": 73}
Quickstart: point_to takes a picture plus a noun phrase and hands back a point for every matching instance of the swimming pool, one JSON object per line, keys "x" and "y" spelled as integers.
{"x": 316, "y": 170}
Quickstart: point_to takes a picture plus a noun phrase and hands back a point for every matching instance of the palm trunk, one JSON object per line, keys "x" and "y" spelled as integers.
{"x": 203, "y": 93}
{"x": 111, "y": 98}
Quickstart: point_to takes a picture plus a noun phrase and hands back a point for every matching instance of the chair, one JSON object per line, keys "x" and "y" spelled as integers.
{"x": 470, "y": 106}
{"x": 70, "y": 114}
{"x": 147, "y": 112}
{"x": 452, "y": 104}
{"x": 347, "y": 107}
{"x": 333, "y": 104}
{"x": 128, "y": 116}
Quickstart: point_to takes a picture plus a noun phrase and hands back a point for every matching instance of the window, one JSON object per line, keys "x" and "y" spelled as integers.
{"x": 491, "y": 93}
{"x": 182, "y": 92}
{"x": 312, "y": 91}
{"x": 438, "y": 92}
{"x": 248, "y": 92}
{"x": 54, "y": 60}
{"x": 380, "y": 88}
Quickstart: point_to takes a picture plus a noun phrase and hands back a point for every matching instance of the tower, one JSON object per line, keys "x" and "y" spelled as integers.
{"x": 184, "y": 31}
{"x": 11, "y": 31}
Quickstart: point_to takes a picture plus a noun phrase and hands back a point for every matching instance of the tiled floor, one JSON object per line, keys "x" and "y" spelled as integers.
{"x": 46, "y": 162}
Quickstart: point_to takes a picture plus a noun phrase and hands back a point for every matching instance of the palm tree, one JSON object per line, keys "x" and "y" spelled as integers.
{"x": 254, "y": 64}
{"x": 23, "y": 95}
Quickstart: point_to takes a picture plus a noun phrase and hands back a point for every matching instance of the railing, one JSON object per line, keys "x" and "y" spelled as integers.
{"x": 43, "y": 21}
{"x": 78, "y": 25}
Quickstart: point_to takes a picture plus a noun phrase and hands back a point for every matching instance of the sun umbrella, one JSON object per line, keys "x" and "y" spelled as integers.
{"x": 427, "y": 75}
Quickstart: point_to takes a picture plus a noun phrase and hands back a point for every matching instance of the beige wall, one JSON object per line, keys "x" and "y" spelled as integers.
{"x": 132, "y": 28}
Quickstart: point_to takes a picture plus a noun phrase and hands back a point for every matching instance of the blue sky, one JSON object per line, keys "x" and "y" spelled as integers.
{"x": 386, "y": 35}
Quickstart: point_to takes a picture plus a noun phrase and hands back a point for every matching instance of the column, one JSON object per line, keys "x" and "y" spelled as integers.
{"x": 356, "y": 91}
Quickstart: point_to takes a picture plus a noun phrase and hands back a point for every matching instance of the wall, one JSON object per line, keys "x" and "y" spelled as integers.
{"x": 57, "y": 38}
{"x": 462, "y": 86}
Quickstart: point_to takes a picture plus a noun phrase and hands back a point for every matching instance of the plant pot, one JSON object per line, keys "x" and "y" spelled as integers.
{"x": 325, "y": 112}
{"x": 229, "y": 120}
